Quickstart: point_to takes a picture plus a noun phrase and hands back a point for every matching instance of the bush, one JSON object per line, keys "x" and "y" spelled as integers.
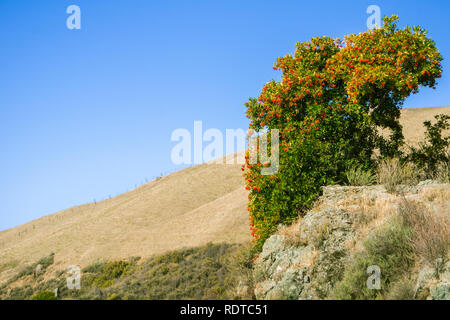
{"x": 94, "y": 268}
{"x": 392, "y": 172}
{"x": 109, "y": 272}
{"x": 333, "y": 98}
{"x": 433, "y": 155}
{"x": 239, "y": 282}
{"x": 390, "y": 249}
{"x": 45, "y": 262}
{"x": 357, "y": 176}
{"x": 442, "y": 173}
{"x": 195, "y": 273}
{"x": 431, "y": 232}
{"x": 213, "y": 271}
{"x": 414, "y": 232}
{"x": 404, "y": 289}
{"x": 44, "y": 295}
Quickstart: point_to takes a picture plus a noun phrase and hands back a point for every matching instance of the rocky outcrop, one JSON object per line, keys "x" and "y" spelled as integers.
{"x": 304, "y": 270}
{"x": 433, "y": 283}
{"x": 307, "y": 259}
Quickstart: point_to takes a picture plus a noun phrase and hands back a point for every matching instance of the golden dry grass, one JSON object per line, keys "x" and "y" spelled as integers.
{"x": 412, "y": 122}
{"x": 204, "y": 203}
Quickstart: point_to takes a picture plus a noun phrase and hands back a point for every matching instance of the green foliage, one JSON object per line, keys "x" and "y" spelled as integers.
{"x": 109, "y": 272}
{"x": 45, "y": 295}
{"x": 357, "y": 176}
{"x": 94, "y": 268}
{"x": 391, "y": 250}
{"x": 198, "y": 273}
{"x": 431, "y": 160}
{"x": 45, "y": 262}
{"x": 413, "y": 235}
{"x": 403, "y": 289}
{"x": 333, "y": 97}
{"x": 433, "y": 154}
{"x": 239, "y": 264}
{"x": 208, "y": 272}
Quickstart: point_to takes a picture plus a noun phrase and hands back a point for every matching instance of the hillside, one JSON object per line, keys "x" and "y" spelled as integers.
{"x": 324, "y": 254}
{"x": 189, "y": 208}
{"x": 412, "y": 121}
{"x": 200, "y": 204}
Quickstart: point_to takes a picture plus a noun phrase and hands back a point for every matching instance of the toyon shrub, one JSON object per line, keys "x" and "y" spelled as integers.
{"x": 333, "y": 97}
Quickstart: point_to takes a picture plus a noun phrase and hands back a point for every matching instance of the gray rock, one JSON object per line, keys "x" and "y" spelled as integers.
{"x": 436, "y": 284}
{"x": 303, "y": 271}
{"x": 310, "y": 266}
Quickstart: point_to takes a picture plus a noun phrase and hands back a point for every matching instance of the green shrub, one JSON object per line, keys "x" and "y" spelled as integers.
{"x": 94, "y": 268}
{"x": 239, "y": 265}
{"x": 194, "y": 273}
{"x": 212, "y": 271}
{"x": 389, "y": 248}
{"x": 109, "y": 272}
{"x": 358, "y": 176}
{"x": 44, "y": 295}
{"x": 403, "y": 289}
{"x": 442, "y": 173}
{"x": 433, "y": 155}
{"x": 45, "y": 262}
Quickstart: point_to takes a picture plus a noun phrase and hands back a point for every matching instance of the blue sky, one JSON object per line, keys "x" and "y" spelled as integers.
{"x": 88, "y": 113}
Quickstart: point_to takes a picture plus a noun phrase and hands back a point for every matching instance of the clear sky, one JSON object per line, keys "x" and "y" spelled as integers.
{"x": 88, "y": 113}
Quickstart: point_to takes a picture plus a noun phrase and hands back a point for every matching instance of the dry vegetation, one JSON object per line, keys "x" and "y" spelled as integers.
{"x": 401, "y": 233}
{"x": 191, "y": 207}
{"x": 201, "y": 204}
{"x": 391, "y": 174}
{"x": 431, "y": 229}
{"x": 211, "y": 271}
{"x": 412, "y": 122}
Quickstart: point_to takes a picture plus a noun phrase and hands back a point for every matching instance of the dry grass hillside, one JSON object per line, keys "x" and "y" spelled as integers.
{"x": 200, "y": 204}
{"x": 412, "y": 121}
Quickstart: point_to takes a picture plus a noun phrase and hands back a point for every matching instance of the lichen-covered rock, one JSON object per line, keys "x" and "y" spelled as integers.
{"x": 424, "y": 276}
{"x": 435, "y": 285}
{"x": 305, "y": 267}
{"x": 440, "y": 291}
{"x": 307, "y": 259}
{"x": 282, "y": 270}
